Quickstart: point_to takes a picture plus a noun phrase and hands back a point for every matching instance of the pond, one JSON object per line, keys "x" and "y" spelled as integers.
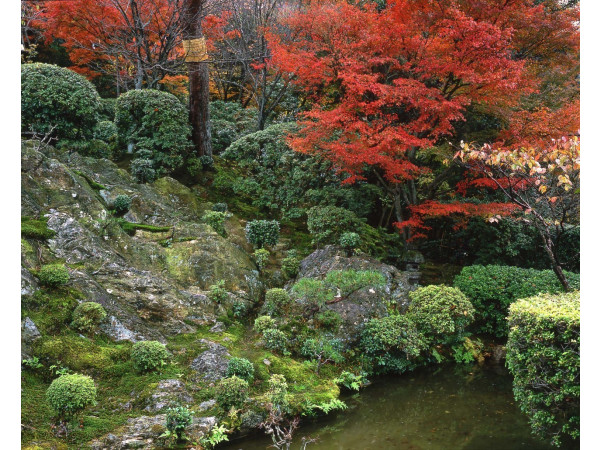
{"x": 448, "y": 407}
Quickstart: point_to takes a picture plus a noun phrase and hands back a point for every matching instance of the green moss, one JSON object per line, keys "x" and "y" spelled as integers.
{"x": 93, "y": 184}
{"x": 130, "y": 227}
{"x": 36, "y": 228}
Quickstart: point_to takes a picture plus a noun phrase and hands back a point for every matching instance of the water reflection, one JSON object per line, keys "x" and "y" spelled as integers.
{"x": 441, "y": 408}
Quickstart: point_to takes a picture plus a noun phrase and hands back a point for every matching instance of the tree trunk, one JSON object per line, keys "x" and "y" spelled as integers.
{"x": 548, "y": 247}
{"x": 199, "y": 88}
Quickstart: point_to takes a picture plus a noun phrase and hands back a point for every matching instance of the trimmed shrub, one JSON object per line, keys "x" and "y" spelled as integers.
{"x": 543, "y": 356}
{"x": 262, "y": 232}
{"x": 231, "y": 392}
{"x": 87, "y": 316}
{"x": 349, "y": 281}
{"x": 53, "y": 275}
{"x": 349, "y": 241}
{"x": 106, "y": 131}
{"x": 491, "y": 290}
{"x": 178, "y": 419}
{"x": 143, "y": 170}
{"x": 392, "y": 344}
{"x": 326, "y": 224}
{"x": 229, "y": 121}
{"x": 322, "y": 350}
{"x": 121, "y": 204}
{"x": 216, "y": 219}
{"x": 53, "y": 96}
{"x": 275, "y": 340}
{"x": 156, "y": 123}
{"x": 217, "y": 292}
{"x": 70, "y": 394}
{"x": 263, "y": 323}
{"x": 290, "y": 266}
{"x": 240, "y": 367}
{"x": 261, "y": 256}
{"x": 149, "y": 355}
{"x": 36, "y": 228}
{"x": 277, "y": 393}
{"x": 275, "y": 301}
{"x": 440, "y": 313}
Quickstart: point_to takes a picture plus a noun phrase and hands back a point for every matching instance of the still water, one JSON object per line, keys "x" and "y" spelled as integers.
{"x": 440, "y": 408}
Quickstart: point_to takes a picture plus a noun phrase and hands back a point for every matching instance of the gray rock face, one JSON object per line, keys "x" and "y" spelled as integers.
{"x": 143, "y": 433}
{"x": 149, "y": 290}
{"x": 169, "y": 393}
{"x": 29, "y": 334}
{"x": 360, "y": 306}
{"x": 211, "y": 364}
{"x": 28, "y": 283}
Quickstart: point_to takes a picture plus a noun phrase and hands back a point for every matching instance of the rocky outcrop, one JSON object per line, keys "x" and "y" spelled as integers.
{"x": 152, "y": 284}
{"x": 144, "y": 433}
{"x": 360, "y": 306}
{"x": 29, "y": 334}
{"x": 168, "y": 393}
{"x": 211, "y": 364}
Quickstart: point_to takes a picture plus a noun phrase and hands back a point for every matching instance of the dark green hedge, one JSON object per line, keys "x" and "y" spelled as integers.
{"x": 492, "y": 289}
{"x": 53, "y": 96}
{"x": 543, "y": 356}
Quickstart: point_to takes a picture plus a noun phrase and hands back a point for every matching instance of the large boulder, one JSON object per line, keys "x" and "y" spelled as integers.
{"x": 212, "y": 363}
{"x": 152, "y": 283}
{"x": 364, "y": 304}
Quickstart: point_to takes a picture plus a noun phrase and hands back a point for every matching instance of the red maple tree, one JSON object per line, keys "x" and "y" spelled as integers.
{"x": 387, "y": 84}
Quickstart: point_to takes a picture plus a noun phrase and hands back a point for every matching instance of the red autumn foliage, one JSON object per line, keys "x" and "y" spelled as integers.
{"x": 385, "y": 85}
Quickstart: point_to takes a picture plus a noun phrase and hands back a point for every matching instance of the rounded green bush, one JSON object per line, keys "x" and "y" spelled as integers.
{"x": 263, "y": 323}
{"x": 440, "y": 311}
{"x": 261, "y": 257}
{"x": 53, "y": 96}
{"x": 262, "y": 232}
{"x": 275, "y": 301}
{"x": 327, "y": 223}
{"x": 217, "y": 292}
{"x": 240, "y": 367}
{"x": 53, "y": 275}
{"x": 275, "y": 340}
{"x": 87, "y": 316}
{"x": 106, "y": 131}
{"x": 543, "y": 355}
{"x": 143, "y": 170}
{"x": 70, "y": 394}
{"x": 216, "y": 219}
{"x": 392, "y": 344}
{"x": 328, "y": 320}
{"x": 149, "y": 355}
{"x": 232, "y": 392}
{"x": 122, "y": 203}
{"x": 290, "y": 266}
{"x": 220, "y": 207}
{"x": 157, "y": 123}
{"x": 349, "y": 240}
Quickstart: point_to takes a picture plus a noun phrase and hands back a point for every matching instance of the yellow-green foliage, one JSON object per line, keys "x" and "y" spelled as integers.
{"x": 87, "y": 316}
{"x": 70, "y": 394}
{"x": 149, "y": 355}
{"x": 78, "y": 353}
{"x": 543, "y": 355}
{"x": 53, "y": 275}
{"x": 36, "y": 228}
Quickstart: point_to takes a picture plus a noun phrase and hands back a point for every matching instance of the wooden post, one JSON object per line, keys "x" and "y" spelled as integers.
{"x": 198, "y": 82}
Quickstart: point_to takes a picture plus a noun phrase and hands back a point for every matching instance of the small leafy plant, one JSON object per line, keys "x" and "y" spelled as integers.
{"x": 54, "y": 275}
{"x": 149, "y": 355}
{"x": 178, "y": 419}
{"x": 217, "y": 292}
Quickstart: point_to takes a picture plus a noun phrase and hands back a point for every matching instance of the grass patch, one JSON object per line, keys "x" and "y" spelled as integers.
{"x": 130, "y": 228}
{"x": 93, "y": 184}
{"x": 36, "y": 228}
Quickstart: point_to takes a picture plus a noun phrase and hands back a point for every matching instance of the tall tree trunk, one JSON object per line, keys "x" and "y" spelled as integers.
{"x": 549, "y": 248}
{"x": 199, "y": 88}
